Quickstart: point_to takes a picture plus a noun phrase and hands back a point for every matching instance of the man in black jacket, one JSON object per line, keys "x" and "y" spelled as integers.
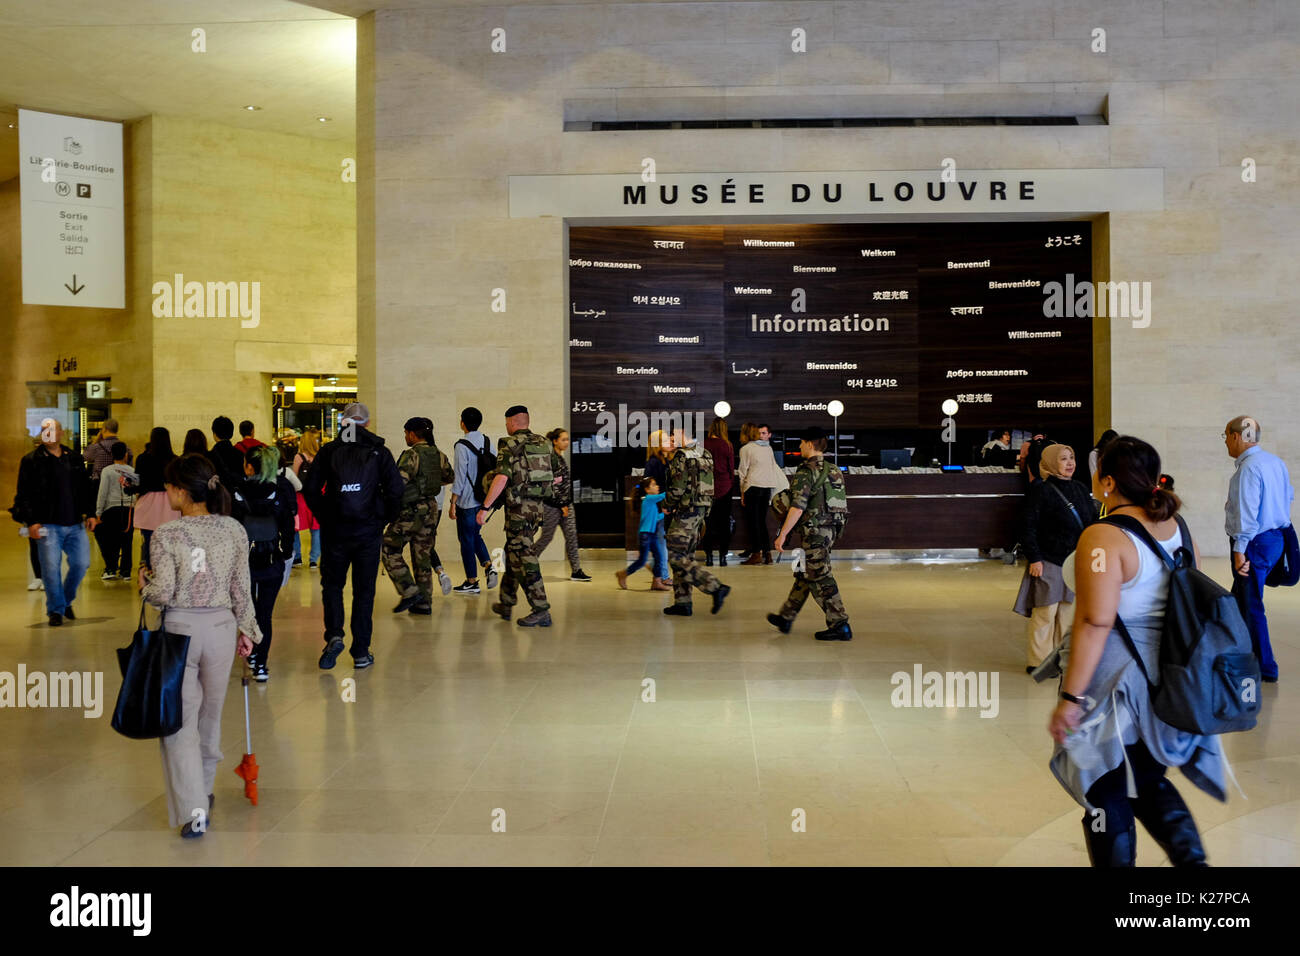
{"x": 227, "y": 459}
{"x": 53, "y": 500}
{"x": 354, "y": 489}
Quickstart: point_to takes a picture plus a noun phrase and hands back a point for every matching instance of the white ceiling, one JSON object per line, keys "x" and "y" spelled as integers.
{"x": 126, "y": 59}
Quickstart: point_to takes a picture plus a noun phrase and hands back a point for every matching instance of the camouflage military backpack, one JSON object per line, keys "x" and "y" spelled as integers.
{"x": 829, "y": 500}
{"x": 699, "y": 470}
{"x": 540, "y": 483}
{"x": 428, "y": 477}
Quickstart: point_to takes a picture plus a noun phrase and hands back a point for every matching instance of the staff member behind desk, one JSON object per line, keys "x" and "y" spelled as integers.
{"x": 1057, "y": 509}
{"x": 210, "y": 600}
{"x": 53, "y": 498}
{"x": 760, "y": 479}
{"x": 354, "y": 490}
{"x": 1258, "y": 508}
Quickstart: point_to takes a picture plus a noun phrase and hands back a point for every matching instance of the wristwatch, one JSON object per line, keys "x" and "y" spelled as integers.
{"x": 1066, "y": 695}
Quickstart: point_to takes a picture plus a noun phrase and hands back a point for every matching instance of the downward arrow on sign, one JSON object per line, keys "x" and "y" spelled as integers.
{"x": 74, "y": 288}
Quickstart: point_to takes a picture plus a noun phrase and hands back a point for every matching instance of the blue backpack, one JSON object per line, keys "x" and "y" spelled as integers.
{"x": 1209, "y": 675}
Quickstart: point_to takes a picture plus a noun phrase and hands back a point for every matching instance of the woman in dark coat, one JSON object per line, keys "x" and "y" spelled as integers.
{"x": 1057, "y": 509}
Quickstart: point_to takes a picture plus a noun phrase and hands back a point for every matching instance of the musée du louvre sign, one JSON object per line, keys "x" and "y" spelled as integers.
{"x": 981, "y": 191}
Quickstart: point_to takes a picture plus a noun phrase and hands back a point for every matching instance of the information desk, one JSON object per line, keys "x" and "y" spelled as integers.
{"x": 906, "y": 511}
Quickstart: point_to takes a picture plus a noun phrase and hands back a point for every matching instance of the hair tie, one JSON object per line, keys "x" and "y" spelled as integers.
{"x": 213, "y": 482}
{"x": 1155, "y": 489}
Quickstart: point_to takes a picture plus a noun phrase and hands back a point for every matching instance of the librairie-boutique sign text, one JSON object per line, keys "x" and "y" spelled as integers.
{"x": 847, "y": 193}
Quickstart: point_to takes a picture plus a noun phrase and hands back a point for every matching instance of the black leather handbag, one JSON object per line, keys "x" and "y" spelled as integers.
{"x": 153, "y": 670}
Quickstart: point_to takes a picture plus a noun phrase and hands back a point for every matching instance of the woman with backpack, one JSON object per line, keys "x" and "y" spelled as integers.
{"x": 559, "y": 511}
{"x": 1056, "y": 511}
{"x": 265, "y": 504}
{"x": 1112, "y": 749}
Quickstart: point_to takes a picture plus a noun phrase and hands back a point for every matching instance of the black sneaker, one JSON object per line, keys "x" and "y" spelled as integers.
{"x": 56, "y": 620}
{"x": 108, "y": 576}
{"x": 536, "y": 619}
{"x": 421, "y": 608}
{"x": 579, "y": 576}
{"x": 67, "y": 612}
{"x": 361, "y": 663}
{"x": 406, "y": 603}
{"x": 467, "y": 588}
{"x": 719, "y": 596}
{"x": 684, "y": 610}
{"x": 260, "y": 673}
{"x": 780, "y": 623}
{"x": 333, "y": 648}
{"x": 501, "y": 611}
{"x": 297, "y": 562}
{"x": 840, "y": 632}
{"x": 313, "y": 566}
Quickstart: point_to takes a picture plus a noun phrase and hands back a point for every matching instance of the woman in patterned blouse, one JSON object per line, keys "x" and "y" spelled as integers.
{"x": 200, "y": 579}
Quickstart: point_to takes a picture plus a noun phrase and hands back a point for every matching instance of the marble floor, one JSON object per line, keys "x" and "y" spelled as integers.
{"x": 466, "y": 721}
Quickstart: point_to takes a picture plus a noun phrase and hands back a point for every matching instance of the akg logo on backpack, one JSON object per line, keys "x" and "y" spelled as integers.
{"x": 352, "y": 487}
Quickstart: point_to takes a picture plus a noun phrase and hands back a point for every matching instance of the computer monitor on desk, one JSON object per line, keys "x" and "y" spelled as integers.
{"x": 895, "y": 458}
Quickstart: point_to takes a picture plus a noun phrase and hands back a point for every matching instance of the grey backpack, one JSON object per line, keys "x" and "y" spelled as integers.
{"x": 1209, "y": 678}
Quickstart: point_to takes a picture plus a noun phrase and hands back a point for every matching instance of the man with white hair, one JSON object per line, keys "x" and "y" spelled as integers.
{"x": 1257, "y": 509}
{"x": 53, "y": 500}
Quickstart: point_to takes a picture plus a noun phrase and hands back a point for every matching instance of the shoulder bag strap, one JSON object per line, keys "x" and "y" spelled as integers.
{"x": 1069, "y": 504}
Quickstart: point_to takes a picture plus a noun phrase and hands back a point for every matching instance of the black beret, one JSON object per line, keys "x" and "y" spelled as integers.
{"x": 514, "y": 410}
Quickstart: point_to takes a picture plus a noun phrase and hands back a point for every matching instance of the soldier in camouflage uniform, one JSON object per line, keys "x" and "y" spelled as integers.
{"x": 526, "y": 476}
{"x": 424, "y": 469}
{"x": 687, "y": 502}
{"x": 818, "y": 509}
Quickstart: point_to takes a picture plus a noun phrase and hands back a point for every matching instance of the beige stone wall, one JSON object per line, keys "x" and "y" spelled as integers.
{"x": 1190, "y": 87}
{"x": 213, "y": 203}
{"x": 236, "y": 206}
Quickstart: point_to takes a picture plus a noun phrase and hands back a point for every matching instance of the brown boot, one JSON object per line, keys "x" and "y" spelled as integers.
{"x": 767, "y": 557}
{"x": 754, "y": 558}
{"x": 622, "y": 579}
{"x": 661, "y": 585}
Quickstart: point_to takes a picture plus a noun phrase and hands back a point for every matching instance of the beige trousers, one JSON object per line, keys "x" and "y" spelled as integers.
{"x": 1047, "y": 627}
{"x": 190, "y": 756}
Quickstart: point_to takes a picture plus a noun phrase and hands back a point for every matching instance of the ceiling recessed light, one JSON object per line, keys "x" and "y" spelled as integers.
{"x": 252, "y": 108}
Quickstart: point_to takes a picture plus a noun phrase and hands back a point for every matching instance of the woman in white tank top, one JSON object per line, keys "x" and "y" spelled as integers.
{"x": 1112, "y": 750}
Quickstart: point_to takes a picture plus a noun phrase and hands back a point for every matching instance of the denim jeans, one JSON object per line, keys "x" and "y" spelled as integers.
{"x": 1264, "y": 551}
{"x": 61, "y": 590}
{"x": 314, "y": 556}
{"x": 472, "y": 549}
{"x": 661, "y": 551}
{"x": 649, "y": 543}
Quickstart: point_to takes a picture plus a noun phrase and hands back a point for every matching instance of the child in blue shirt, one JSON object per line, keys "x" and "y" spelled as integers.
{"x": 646, "y": 501}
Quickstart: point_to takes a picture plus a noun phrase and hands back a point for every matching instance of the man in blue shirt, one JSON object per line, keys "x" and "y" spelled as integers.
{"x": 1258, "y": 507}
{"x": 467, "y": 500}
